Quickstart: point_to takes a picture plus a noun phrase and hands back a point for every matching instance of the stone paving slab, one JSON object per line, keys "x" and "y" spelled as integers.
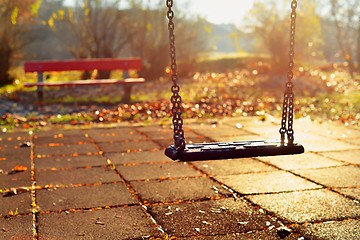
{"x": 251, "y": 235}
{"x": 316, "y": 143}
{"x": 265, "y": 131}
{"x": 336, "y": 145}
{"x": 239, "y": 138}
{"x": 224, "y": 216}
{"x": 167, "y": 132}
{"x": 10, "y": 140}
{"x": 104, "y": 135}
{"x": 330, "y": 130}
{"x": 110, "y": 147}
{"x": 157, "y": 191}
{"x": 249, "y": 121}
{"x": 68, "y": 149}
{"x": 19, "y": 227}
{"x": 137, "y": 157}
{"x": 58, "y": 132}
{"x": 57, "y": 162}
{"x": 116, "y": 223}
{"x": 19, "y": 179}
{"x": 116, "y": 183}
{"x": 301, "y": 161}
{"x": 266, "y": 182}
{"x": 232, "y": 167}
{"x": 11, "y": 157}
{"x": 18, "y": 204}
{"x": 164, "y": 143}
{"x": 61, "y": 138}
{"x": 157, "y": 171}
{"x": 353, "y": 192}
{"x": 157, "y": 132}
{"x": 309, "y": 206}
{"x": 342, "y": 176}
{"x": 84, "y": 197}
{"x": 219, "y": 130}
{"x": 77, "y": 176}
{"x": 345, "y": 156}
{"x": 344, "y": 230}
{"x": 353, "y": 141}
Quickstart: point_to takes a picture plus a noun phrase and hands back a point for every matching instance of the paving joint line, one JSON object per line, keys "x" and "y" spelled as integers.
{"x": 34, "y": 206}
{"x": 148, "y": 137}
{"x": 329, "y": 188}
{"x": 334, "y": 159}
{"x": 288, "y": 171}
{"x": 72, "y": 168}
{"x": 189, "y": 201}
{"x": 237, "y": 195}
{"x": 63, "y": 186}
{"x": 130, "y": 188}
{"x": 72, "y": 210}
{"x": 42, "y": 156}
{"x": 282, "y": 221}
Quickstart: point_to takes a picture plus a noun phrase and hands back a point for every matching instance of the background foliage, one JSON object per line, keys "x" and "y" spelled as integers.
{"x": 225, "y": 69}
{"x": 328, "y": 31}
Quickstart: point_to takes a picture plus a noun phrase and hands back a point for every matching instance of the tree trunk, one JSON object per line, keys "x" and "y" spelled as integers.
{"x": 5, "y": 54}
{"x": 103, "y": 74}
{"x": 345, "y": 51}
{"x": 358, "y": 48}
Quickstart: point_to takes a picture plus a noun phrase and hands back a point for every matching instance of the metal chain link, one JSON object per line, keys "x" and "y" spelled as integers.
{"x": 179, "y": 139}
{"x": 288, "y": 104}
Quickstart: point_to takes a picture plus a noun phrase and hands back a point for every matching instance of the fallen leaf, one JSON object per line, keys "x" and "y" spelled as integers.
{"x": 18, "y": 169}
{"x": 15, "y": 191}
{"x": 25, "y": 144}
{"x": 243, "y": 223}
{"x": 13, "y": 213}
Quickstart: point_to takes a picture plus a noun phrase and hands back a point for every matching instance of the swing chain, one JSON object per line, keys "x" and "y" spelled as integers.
{"x": 288, "y": 104}
{"x": 179, "y": 139}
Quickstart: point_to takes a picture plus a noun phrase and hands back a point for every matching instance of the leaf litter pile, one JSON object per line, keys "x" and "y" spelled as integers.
{"x": 323, "y": 94}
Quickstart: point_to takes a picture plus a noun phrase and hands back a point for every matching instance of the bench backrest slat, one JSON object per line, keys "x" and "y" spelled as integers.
{"x": 83, "y": 65}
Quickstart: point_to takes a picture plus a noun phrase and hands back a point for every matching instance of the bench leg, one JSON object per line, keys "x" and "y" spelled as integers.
{"x": 127, "y": 93}
{"x": 40, "y": 92}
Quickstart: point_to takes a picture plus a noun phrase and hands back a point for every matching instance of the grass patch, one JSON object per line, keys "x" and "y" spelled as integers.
{"x": 68, "y": 99}
{"x": 223, "y": 86}
{"x": 343, "y": 107}
{"x": 70, "y": 118}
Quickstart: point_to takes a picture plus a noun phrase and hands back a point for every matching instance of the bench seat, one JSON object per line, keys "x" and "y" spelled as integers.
{"x": 104, "y": 64}
{"x": 89, "y": 82}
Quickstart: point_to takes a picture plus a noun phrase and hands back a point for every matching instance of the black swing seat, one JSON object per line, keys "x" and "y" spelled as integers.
{"x": 227, "y": 150}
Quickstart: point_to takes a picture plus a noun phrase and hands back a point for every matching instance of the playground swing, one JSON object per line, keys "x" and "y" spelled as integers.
{"x": 237, "y": 149}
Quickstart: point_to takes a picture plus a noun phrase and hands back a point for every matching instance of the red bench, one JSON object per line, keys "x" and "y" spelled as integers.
{"x": 85, "y": 65}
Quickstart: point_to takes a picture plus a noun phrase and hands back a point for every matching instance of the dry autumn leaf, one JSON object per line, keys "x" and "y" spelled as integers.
{"x": 19, "y": 168}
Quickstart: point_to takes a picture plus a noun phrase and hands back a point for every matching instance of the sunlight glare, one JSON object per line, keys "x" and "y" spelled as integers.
{"x": 215, "y": 11}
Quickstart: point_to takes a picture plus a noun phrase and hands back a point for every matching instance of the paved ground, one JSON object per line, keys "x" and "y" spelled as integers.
{"x": 115, "y": 183}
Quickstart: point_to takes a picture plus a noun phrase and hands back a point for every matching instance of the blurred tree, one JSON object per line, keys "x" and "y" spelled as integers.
{"x": 151, "y": 41}
{"x": 103, "y": 29}
{"x": 16, "y": 16}
{"x": 47, "y": 44}
{"x": 345, "y": 15}
{"x": 98, "y": 29}
{"x": 358, "y": 47}
{"x": 270, "y": 21}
